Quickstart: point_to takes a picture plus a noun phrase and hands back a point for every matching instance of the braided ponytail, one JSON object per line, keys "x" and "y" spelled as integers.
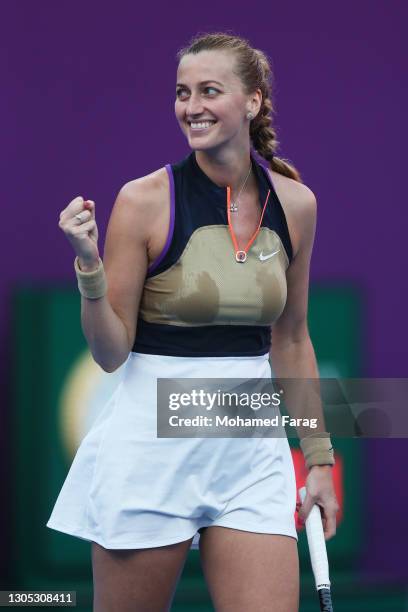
{"x": 261, "y": 131}
{"x": 252, "y": 67}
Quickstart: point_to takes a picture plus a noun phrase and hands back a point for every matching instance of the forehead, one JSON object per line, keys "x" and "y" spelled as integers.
{"x": 207, "y": 66}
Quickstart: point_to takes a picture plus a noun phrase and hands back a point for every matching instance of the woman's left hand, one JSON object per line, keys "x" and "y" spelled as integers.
{"x": 320, "y": 491}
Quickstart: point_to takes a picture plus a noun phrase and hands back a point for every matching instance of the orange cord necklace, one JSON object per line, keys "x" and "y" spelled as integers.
{"x": 241, "y": 255}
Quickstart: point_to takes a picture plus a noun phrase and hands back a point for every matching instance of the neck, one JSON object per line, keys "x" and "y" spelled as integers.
{"x": 226, "y": 168}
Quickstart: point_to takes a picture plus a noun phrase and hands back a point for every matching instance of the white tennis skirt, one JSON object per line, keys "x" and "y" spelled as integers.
{"x": 129, "y": 489}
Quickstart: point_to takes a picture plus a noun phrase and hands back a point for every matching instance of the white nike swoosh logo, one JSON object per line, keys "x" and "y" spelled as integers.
{"x": 263, "y": 257}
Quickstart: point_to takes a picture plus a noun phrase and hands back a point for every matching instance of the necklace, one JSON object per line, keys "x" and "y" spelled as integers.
{"x": 241, "y": 255}
{"x": 233, "y": 205}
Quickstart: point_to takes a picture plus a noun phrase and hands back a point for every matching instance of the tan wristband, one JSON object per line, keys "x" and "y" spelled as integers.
{"x": 91, "y": 285}
{"x": 317, "y": 449}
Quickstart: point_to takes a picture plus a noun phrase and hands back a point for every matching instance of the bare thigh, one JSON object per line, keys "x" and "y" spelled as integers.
{"x": 250, "y": 571}
{"x": 142, "y": 580}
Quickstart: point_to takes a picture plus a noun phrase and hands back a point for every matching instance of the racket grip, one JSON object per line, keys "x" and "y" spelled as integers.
{"x": 317, "y": 545}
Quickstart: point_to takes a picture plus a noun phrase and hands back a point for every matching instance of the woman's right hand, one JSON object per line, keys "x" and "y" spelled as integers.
{"x": 81, "y": 232}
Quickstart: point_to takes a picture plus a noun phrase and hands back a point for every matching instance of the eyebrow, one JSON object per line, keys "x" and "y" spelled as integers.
{"x": 202, "y": 83}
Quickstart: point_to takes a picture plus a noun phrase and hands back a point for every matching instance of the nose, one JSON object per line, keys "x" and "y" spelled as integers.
{"x": 194, "y": 105}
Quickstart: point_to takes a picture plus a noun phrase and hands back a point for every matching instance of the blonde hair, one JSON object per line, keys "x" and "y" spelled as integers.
{"x": 253, "y": 68}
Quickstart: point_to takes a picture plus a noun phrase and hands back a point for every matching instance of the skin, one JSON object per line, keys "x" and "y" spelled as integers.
{"x": 243, "y": 570}
{"x": 142, "y": 580}
{"x": 223, "y": 151}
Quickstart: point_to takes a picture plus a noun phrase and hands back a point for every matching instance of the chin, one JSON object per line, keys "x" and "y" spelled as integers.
{"x": 204, "y": 146}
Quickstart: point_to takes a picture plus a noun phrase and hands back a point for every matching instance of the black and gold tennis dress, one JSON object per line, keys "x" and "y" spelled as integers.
{"x": 203, "y": 314}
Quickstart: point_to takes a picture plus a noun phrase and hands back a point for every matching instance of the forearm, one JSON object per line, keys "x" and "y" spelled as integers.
{"x": 103, "y": 329}
{"x": 105, "y": 333}
{"x": 297, "y": 361}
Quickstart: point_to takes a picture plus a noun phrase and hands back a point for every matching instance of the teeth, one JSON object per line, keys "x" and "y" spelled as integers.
{"x": 202, "y": 125}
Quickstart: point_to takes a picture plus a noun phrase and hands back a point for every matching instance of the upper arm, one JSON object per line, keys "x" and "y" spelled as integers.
{"x": 292, "y": 324}
{"x": 125, "y": 253}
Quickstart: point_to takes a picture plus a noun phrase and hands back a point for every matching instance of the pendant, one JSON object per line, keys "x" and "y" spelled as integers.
{"x": 233, "y": 207}
{"x": 240, "y": 256}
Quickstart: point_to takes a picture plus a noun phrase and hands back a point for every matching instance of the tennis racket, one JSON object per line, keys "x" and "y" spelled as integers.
{"x": 318, "y": 554}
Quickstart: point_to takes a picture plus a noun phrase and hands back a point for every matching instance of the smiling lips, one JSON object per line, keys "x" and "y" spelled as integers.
{"x": 199, "y": 126}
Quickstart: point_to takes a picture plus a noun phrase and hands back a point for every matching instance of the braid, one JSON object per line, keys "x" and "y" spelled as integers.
{"x": 262, "y": 132}
{"x": 252, "y": 67}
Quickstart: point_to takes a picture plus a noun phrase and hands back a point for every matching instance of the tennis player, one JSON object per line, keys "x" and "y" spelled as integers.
{"x": 205, "y": 275}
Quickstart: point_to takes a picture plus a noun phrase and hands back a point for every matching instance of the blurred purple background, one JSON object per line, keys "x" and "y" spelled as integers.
{"x": 88, "y": 104}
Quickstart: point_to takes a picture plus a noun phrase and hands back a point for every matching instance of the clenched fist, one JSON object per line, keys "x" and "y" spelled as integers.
{"x": 78, "y": 223}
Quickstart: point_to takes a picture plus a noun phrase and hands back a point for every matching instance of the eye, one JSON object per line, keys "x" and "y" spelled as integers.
{"x": 179, "y": 91}
{"x": 213, "y": 88}
{"x": 212, "y": 91}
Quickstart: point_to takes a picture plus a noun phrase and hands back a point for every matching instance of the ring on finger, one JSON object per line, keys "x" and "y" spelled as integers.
{"x": 78, "y": 216}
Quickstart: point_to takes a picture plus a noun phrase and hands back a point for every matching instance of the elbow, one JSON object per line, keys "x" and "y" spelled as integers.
{"x": 295, "y": 333}
{"x": 110, "y": 367}
{"x": 111, "y": 355}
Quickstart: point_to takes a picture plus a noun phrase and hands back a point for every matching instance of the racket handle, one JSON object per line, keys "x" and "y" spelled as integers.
{"x": 317, "y": 545}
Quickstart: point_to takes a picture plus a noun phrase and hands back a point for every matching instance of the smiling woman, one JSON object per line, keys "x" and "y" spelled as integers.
{"x": 247, "y": 81}
{"x": 206, "y": 260}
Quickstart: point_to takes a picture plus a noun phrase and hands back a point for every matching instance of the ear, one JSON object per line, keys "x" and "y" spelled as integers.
{"x": 254, "y": 102}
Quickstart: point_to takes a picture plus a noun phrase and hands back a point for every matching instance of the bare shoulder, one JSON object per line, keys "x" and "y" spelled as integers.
{"x": 142, "y": 211}
{"x": 299, "y": 205}
{"x": 145, "y": 194}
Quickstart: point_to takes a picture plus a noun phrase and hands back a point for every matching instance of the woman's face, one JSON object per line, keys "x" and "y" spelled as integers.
{"x": 211, "y": 104}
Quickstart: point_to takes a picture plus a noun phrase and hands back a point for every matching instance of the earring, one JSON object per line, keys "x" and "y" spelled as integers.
{"x": 250, "y": 115}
